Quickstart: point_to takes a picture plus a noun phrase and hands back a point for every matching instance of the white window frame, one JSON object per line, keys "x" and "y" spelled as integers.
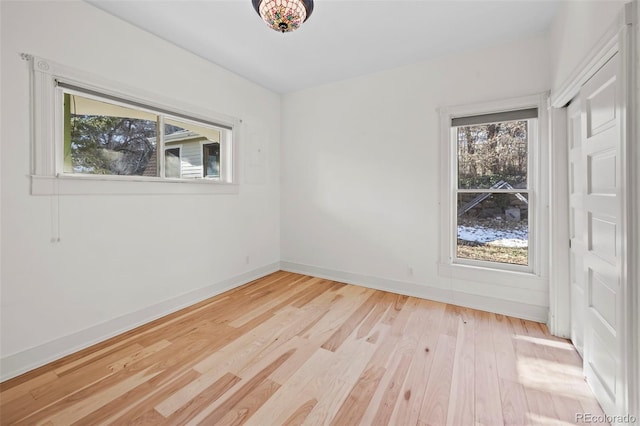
{"x": 532, "y": 275}
{"x": 47, "y": 177}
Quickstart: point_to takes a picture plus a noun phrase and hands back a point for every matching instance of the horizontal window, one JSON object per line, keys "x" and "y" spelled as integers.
{"x": 107, "y": 137}
{"x": 93, "y": 136}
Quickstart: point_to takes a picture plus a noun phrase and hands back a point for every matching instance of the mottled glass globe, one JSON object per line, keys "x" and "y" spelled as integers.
{"x": 283, "y": 15}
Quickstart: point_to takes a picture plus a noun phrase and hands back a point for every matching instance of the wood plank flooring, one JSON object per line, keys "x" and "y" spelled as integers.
{"x": 290, "y": 349}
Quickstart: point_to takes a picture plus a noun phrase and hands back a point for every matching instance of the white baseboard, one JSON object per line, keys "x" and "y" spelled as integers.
{"x": 425, "y": 291}
{"x": 29, "y": 359}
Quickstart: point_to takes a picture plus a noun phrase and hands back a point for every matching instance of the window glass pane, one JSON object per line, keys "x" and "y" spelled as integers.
{"x": 211, "y": 156}
{"x": 493, "y": 227}
{"x": 195, "y": 161}
{"x": 108, "y": 139}
{"x": 172, "y": 163}
{"x": 493, "y": 155}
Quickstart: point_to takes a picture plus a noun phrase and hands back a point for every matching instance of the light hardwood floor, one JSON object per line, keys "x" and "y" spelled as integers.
{"x": 291, "y": 349}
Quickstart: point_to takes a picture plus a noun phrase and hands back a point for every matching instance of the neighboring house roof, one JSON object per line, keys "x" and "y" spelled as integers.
{"x": 181, "y": 136}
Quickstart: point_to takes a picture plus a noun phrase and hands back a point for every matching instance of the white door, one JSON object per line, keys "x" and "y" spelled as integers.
{"x": 576, "y": 225}
{"x": 601, "y": 101}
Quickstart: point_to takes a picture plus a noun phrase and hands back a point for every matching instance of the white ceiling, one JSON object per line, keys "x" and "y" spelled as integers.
{"x": 341, "y": 39}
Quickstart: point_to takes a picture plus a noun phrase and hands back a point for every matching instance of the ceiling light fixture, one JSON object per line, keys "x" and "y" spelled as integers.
{"x": 284, "y": 15}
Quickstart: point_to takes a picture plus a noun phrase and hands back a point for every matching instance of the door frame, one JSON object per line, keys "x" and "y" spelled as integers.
{"x": 621, "y": 37}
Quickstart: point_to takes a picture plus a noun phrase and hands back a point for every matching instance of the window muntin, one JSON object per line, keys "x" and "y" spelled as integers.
{"x": 492, "y": 192}
{"x": 103, "y": 136}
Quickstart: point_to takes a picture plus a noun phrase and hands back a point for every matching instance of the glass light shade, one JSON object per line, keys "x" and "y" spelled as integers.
{"x": 284, "y": 15}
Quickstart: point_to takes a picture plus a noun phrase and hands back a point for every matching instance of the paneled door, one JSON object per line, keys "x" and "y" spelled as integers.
{"x": 576, "y": 225}
{"x": 601, "y": 101}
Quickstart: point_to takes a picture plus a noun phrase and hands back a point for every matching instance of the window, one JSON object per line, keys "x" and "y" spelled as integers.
{"x": 211, "y": 160}
{"x": 490, "y": 205}
{"x": 93, "y": 137}
{"x": 106, "y": 137}
{"x": 492, "y": 193}
{"x": 172, "y": 163}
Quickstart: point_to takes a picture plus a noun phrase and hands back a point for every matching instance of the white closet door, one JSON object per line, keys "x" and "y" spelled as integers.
{"x": 602, "y": 100}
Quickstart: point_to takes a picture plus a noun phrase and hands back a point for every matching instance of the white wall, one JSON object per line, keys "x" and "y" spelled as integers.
{"x": 576, "y": 29}
{"x": 360, "y": 172}
{"x": 122, "y": 260}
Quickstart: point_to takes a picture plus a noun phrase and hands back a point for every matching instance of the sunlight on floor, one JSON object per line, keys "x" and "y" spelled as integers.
{"x": 536, "y": 419}
{"x": 552, "y": 376}
{"x": 546, "y": 342}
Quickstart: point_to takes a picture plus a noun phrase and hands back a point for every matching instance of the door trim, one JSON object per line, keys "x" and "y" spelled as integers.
{"x": 601, "y": 52}
{"x": 633, "y": 205}
{"x": 559, "y": 279}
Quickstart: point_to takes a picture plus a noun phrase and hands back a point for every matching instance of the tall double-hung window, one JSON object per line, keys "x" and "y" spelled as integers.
{"x": 490, "y": 209}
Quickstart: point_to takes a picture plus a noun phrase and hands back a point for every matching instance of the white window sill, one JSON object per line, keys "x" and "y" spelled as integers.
{"x": 525, "y": 280}
{"x": 112, "y": 185}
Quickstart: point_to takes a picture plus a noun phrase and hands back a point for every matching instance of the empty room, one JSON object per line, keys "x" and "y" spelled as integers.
{"x": 346, "y": 212}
